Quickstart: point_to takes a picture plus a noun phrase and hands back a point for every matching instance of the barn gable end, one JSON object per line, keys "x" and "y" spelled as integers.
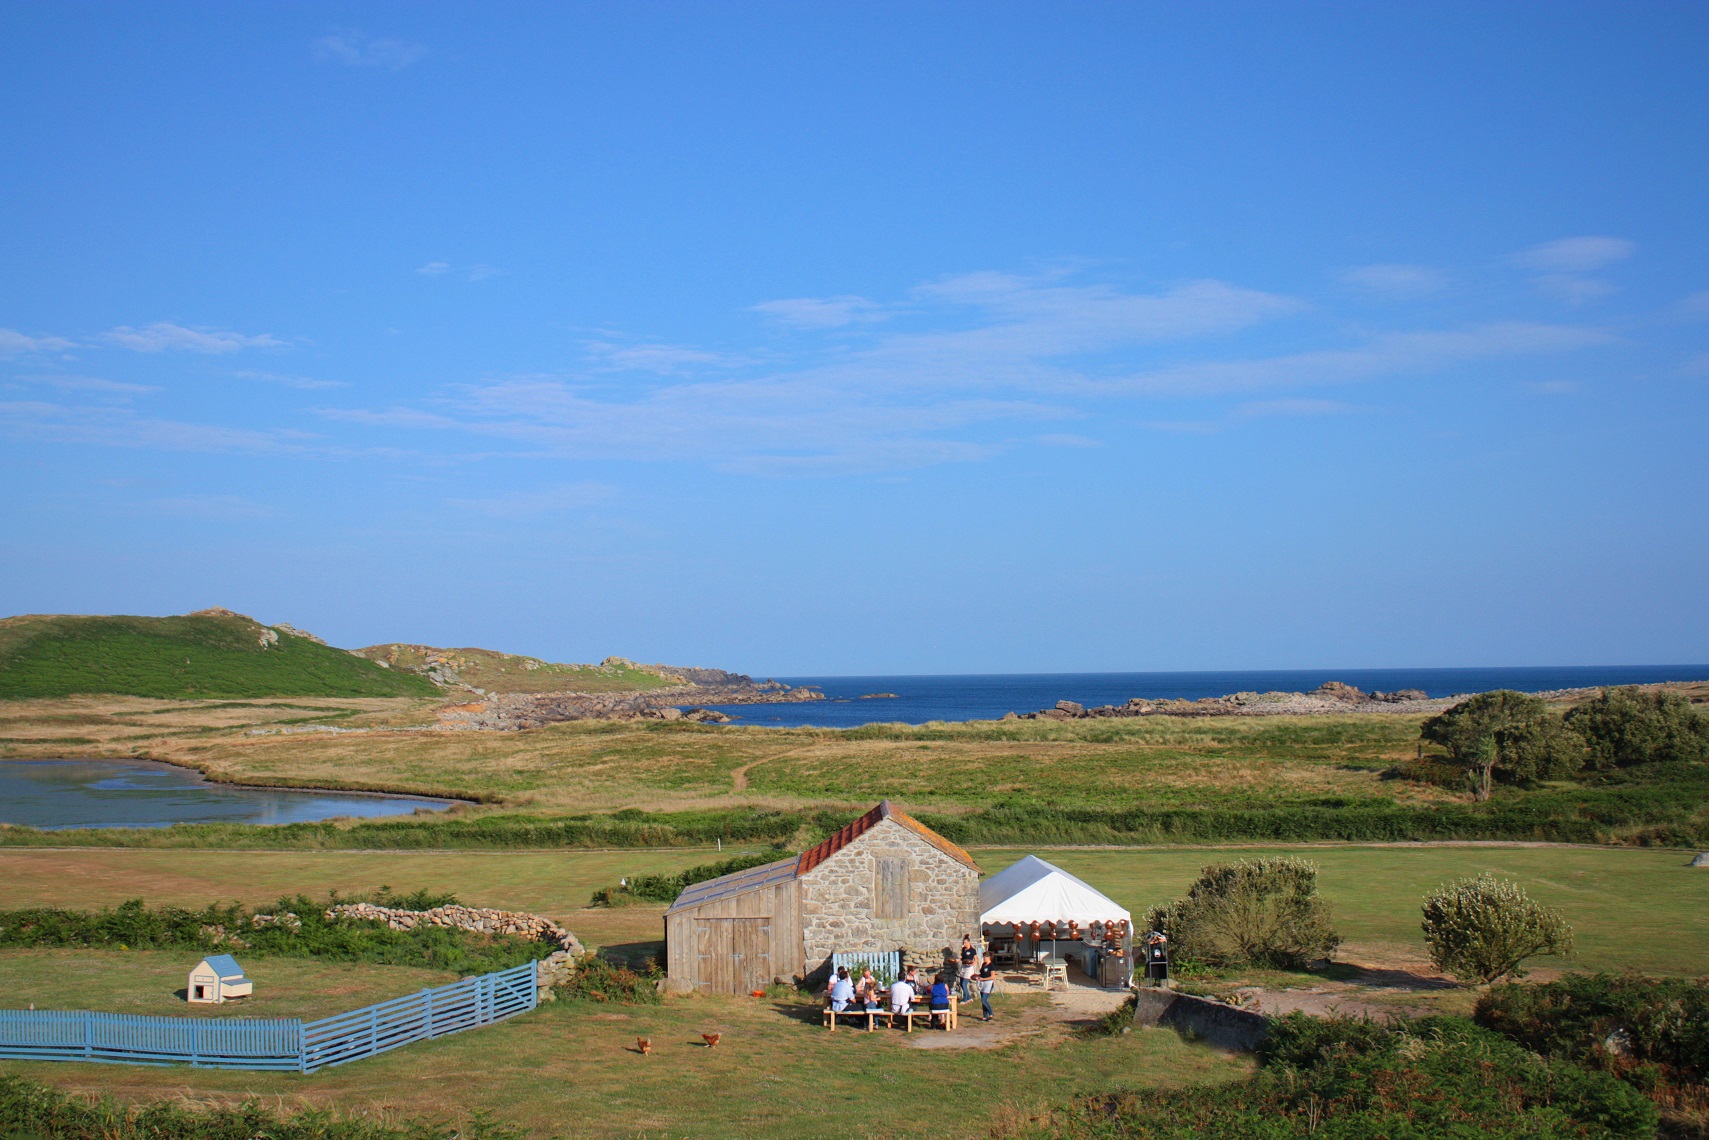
{"x": 885, "y": 882}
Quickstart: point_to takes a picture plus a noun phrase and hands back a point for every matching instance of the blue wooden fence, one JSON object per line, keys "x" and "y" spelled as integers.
{"x": 254, "y": 1043}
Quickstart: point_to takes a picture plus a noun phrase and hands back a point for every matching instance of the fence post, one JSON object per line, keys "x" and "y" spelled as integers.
{"x": 88, "y": 1035}
{"x": 195, "y": 1043}
{"x": 373, "y": 1030}
{"x": 428, "y": 994}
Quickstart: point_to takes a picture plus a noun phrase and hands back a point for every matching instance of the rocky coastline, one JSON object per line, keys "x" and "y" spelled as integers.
{"x": 510, "y": 711}
{"x": 1330, "y": 698}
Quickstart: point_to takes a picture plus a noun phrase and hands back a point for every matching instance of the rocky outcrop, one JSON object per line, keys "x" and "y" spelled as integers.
{"x": 1330, "y": 697}
{"x": 476, "y": 919}
{"x": 505, "y": 711}
{"x": 1200, "y": 1019}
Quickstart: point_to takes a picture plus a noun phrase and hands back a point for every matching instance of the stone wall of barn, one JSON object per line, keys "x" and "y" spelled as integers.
{"x": 839, "y": 905}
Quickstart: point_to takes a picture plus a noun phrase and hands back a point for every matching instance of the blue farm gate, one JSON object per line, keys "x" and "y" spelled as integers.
{"x": 254, "y": 1043}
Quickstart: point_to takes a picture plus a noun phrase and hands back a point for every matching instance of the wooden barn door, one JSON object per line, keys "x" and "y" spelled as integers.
{"x": 734, "y": 954}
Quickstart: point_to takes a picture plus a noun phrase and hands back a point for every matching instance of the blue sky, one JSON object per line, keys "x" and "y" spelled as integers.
{"x": 867, "y": 338}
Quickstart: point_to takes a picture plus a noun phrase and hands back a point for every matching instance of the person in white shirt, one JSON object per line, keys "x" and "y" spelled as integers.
{"x": 901, "y": 995}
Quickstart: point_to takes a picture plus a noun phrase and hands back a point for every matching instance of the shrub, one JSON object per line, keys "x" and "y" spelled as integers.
{"x": 666, "y": 888}
{"x": 1481, "y": 929}
{"x": 596, "y": 979}
{"x": 30, "y": 1109}
{"x": 1505, "y": 731}
{"x": 136, "y": 926}
{"x": 1259, "y": 912}
{"x": 1622, "y": 727}
{"x": 1358, "y": 1080}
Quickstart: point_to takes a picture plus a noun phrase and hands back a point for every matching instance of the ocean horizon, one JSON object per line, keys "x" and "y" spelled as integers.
{"x": 921, "y": 698}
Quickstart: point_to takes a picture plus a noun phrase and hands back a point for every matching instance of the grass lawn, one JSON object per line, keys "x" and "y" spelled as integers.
{"x": 1643, "y": 909}
{"x": 152, "y": 982}
{"x": 571, "y": 1069}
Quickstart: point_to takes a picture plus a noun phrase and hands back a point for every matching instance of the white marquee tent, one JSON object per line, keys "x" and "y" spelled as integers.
{"x": 1032, "y": 890}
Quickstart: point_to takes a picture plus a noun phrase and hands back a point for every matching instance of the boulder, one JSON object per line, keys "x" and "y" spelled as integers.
{"x": 1073, "y": 708}
{"x": 1701, "y": 861}
{"x": 1338, "y": 691}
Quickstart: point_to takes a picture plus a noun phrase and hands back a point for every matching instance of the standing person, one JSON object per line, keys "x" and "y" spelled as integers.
{"x": 969, "y": 963}
{"x": 987, "y": 984}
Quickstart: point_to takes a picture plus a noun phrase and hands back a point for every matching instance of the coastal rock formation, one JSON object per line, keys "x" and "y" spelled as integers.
{"x": 506, "y": 711}
{"x": 1330, "y": 697}
{"x": 477, "y": 919}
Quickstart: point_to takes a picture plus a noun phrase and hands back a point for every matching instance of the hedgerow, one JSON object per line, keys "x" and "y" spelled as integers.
{"x": 308, "y": 933}
{"x": 29, "y": 1110}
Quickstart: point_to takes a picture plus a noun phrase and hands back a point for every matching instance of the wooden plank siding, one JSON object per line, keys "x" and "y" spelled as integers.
{"x": 736, "y": 944}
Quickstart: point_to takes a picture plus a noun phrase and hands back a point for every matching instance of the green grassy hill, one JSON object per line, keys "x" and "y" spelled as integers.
{"x": 212, "y": 653}
{"x": 510, "y": 673}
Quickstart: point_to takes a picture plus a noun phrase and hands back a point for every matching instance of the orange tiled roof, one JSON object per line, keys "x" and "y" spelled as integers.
{"x": 847, "y": 834}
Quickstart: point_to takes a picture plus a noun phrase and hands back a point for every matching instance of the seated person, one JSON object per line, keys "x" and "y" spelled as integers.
{"x": 841, "y": 990}
{"x": 901, "y": 996}
{"x": 940, "y": 998}
{"x": 866, "y": 990}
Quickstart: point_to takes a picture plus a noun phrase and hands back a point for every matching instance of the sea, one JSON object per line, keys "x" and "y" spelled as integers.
{"x": 987, "y": 696}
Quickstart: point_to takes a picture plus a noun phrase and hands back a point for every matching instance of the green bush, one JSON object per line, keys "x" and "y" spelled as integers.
{"x": 1482, "y": 929}
{"x": 1505, "y": 732}
{"x": 666, "y": 888}
{"x": 1251, "y": 912}
{"x": 1623, "y": 727}
{"x": 1609, "y": 1021}
{"x": 596, "y": 979}
{"x": 28, "y": 1110}
{"x": 1342, "y": 1079}
{"x": 132, "y": 925}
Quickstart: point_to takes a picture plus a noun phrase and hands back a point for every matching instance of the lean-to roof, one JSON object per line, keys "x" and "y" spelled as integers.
{"x": 735, "y": 883}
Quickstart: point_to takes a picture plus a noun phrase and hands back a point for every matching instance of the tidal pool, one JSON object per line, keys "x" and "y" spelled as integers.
{"x": 54, "y": 794}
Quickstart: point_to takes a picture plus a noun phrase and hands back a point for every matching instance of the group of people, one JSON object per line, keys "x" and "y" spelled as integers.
{"x": 907, "y": 992}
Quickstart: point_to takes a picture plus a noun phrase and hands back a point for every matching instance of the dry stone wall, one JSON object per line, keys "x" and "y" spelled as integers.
{"x": 839, "y": 904}
{"x": 477, "y": 919}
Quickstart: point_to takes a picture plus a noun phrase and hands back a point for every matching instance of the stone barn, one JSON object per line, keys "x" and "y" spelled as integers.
{"x": 885, "y": 882}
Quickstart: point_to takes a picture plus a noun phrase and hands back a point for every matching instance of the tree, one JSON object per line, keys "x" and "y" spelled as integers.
{"x": 1259, "y": 912}
{"x": 1481, "y": 929}
{"x": 1514, "y": 733}
{"x": 1622, "y": 727}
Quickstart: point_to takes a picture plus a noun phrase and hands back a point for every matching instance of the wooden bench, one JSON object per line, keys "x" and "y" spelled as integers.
{"x": 831, "y": 1015}
{"x": 951, "y": 1016}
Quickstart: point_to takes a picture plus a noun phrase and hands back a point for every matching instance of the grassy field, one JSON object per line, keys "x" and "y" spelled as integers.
{"x": 152, "y": 982}
{"x": 1642, "y": 909}
{"x": 571, "y": 1069}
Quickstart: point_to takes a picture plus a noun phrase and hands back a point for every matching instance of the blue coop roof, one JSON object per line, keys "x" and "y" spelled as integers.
{"x": 224, "y": 966}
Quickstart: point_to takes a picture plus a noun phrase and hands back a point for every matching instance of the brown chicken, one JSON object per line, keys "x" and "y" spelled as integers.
{"x": 711, "y": 1039}
{"x": 644, "y": 1044}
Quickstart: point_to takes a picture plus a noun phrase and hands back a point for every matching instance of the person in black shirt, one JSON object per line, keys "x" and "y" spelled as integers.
{"x": 987, "y": 983}
{"x": 969, "y": 963}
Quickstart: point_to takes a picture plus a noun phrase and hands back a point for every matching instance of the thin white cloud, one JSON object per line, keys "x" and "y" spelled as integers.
{"x": 93, "y": 384}
{"x": 1574, "y": 290}
{"x": 1383, "y": 355}
{"x": 1396, "y": 280}
{"x": 1293, "y": 408}
{"x": 1694, "y": 307}
{"x": 354, "y": 48}
{"x": 660, "y": 359}
{"x": 108, "y": 426}
{"x": 305, "y": 383}
{"x": 482, "y": 272}
{"x": 1552, "y": 387}
{"x": 821, "y": 312}
{"x": 1067, "y": 439}
{"x": 531, "y": 504}
{"x": 1574, "y": 254}
{"x": 15, "y": 343}
{"x": 209, "y": 508}
{"x": 433, "y": 268}
{"x": 163, "y": 336}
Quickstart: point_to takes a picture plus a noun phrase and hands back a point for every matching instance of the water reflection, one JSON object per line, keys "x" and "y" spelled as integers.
{"x": 53, "y": 794}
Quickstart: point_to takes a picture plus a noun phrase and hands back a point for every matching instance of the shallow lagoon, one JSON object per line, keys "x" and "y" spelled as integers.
{"x": 54, "y": 794}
